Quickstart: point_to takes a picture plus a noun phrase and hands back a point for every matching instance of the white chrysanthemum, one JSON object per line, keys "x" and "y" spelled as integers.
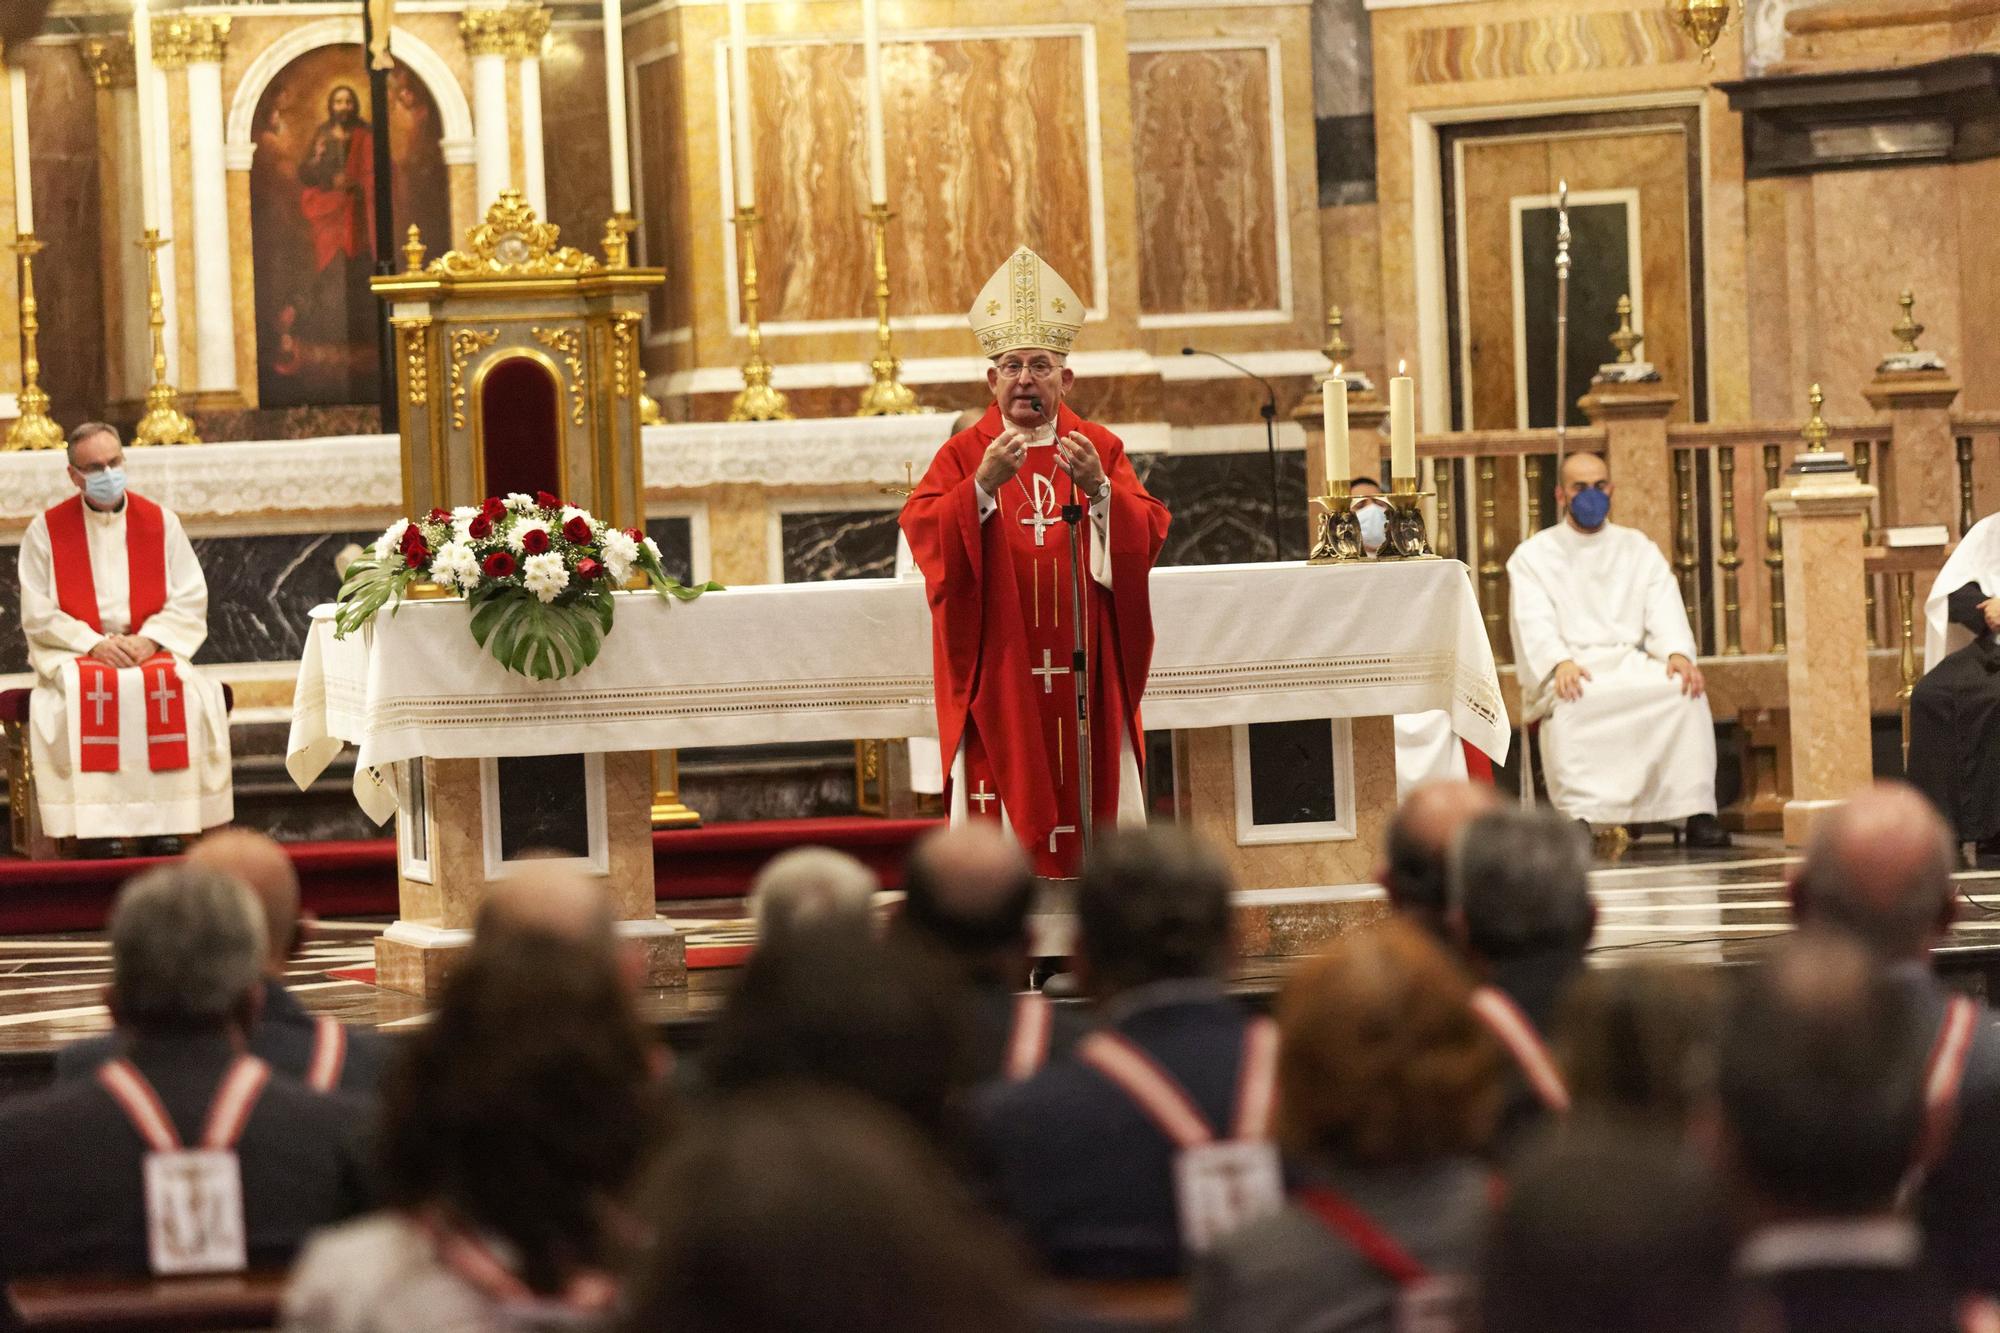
{"x": 620, "y": 554}
{"x": 652, "y": 547}
{"x": 520, "y": 503}
{"x": 455, "y": 566}
{"x": 464, "y": 513}
{"x": 518, "y": 534}
{"x": 571, "y": 511}
{"x": 544, "y": 575}
{"x": 392, "y": 540}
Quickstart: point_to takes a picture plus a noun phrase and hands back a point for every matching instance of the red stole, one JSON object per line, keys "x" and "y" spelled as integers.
{"x": 999, "y": 600}
{"x": 76, "y": 594}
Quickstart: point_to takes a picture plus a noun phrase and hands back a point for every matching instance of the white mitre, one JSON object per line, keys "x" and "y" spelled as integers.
{"x": 1026, "y": 304}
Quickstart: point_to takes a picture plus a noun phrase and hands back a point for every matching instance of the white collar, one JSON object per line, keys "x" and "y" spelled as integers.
{"x": 1840, "y": 1242}
{"x": 1043, "y": 434}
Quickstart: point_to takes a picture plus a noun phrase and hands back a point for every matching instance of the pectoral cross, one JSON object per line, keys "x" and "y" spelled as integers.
{"x": 1041, "y": 523}
{"x": 99, "y": 696}
{"x": 1057, "y": 831}
{"x": 1048, "y": 672}
{"x": 982, "y": 798}
{"x": 1043, "y": 513}
{"x": 163, "y": 694}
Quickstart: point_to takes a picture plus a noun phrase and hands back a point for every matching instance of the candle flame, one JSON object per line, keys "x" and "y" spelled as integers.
{"x": 1337, "y": 370}
{"x": 1402, "y": 367}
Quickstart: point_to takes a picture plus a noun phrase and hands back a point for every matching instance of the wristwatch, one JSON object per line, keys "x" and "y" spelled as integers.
{"x": 1102, "y": 493}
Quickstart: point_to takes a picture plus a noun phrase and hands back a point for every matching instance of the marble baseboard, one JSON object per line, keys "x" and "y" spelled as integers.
{"x": 838, "y": 544}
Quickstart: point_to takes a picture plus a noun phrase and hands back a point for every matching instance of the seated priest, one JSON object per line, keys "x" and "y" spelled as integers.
{"x": 1606, "y": 663}
{"x": 127, "y": 739}
{"x": 1955, "y": 709}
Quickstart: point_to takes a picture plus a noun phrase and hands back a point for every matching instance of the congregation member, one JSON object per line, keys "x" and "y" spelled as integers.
{"x": 1823, "y": 1114}
{"x": 1421, "y": 834}
{"x": 1606, "y": 660}
{"x": 318, "y": 1051}
{"x": 800, "y": 1208}
{"x": 967, "y": 892}
{"x": 1878, "y": 869}
{"x": 1521, "y": 900}
{"x": 514, "y": 1130}
{"x": 97, "y": 1174}
{"x": 985, "y": 526}
{"x": 1637, "y": 1046}
{"x": 1086, "y": 1154}
{"x": 811, "y": 885}
{"x": 1388, "y": 1089}
{"x": 127, "y": 738}
{"x": 1955, "y": 709}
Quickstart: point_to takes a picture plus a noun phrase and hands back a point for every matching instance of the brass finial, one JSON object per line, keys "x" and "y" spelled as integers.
{"x": 1625, "y": 339}
{"x": 1336, "y": 350}
{"x": 413, "y": 251}
{"x": 1816, "y": 431}
{"x": 618, "y": 231}
{"x": 1907, "y": 330}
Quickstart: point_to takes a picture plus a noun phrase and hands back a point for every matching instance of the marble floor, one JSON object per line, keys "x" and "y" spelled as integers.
{"x": 1657, "y": 904}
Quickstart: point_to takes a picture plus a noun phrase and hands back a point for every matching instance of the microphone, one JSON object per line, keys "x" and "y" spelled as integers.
{"x": 1269, "y": 411}
{"x": 1035, "y": 401}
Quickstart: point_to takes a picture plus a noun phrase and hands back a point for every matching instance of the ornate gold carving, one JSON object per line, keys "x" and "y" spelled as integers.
{"x": 108, "y": 60}
{"x": 513, "y": 243}
{"x": 164, "y": 422}
{"x": 624, "y": 338}
{"x": 516, "y": 31}
{"x": 465, "y": 344}
{"x": 180, "y": 39}
{"x": 1703, "y": 21}
{"x": 566, "y": 344}
{"x": 416, "y": 359}
{"x": 34, "y": 428}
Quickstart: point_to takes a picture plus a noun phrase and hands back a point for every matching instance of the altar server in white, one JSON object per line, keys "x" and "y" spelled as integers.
{"x": 128, "y": 739}
{"x": 1606, "y": 661}
{"x": 1955, "y": 709}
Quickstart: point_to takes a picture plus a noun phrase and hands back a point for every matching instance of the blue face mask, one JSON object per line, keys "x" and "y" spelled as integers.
{"x": 105, "y": 488}
{"x": 1374, "y": 521}
{"x": 1590, "y": 509}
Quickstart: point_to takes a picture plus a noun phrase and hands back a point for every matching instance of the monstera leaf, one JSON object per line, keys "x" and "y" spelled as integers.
{"x": 544, "y": 640}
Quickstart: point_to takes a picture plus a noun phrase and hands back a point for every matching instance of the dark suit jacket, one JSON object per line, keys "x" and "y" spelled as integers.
{"x": 71, "y": 1192}
{"x": 1080, "y": 1169}
{"x": 283, "y": 1039}
{"x": 1960, "y": 1206}
{"x": 1852, "y": 1300}
{"x": 1536, "y": 983}
{"x": 993, "y": 1030}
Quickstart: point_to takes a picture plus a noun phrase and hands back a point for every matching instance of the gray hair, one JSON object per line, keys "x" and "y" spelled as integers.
{"x": 814, "y": 886}
{"x": 186, "y": 945}
{"x": 88, "y": 430}
{"x": 1520, "y": 880}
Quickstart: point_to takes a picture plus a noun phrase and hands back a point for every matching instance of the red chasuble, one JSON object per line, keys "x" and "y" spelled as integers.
{"x": 1001, "y": 608}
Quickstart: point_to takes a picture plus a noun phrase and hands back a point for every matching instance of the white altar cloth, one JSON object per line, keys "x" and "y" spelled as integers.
{"x": 852, "y": 660}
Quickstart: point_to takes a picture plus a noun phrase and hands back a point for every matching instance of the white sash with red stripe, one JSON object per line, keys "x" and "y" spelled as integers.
{"x": 1944, "y": 1075}
{"x": 1504, "y": 1019}
{"x": 1028, "y": 1043}
{"x": 194, "y": 1197}
{"x": 1218, "y": 1186}
{"x": 329, "y": 1055}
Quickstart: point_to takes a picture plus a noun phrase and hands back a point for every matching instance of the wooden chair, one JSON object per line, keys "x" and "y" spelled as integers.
{"x": 114, "y": 1305}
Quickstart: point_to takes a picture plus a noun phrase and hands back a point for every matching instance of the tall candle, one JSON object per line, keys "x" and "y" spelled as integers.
{"x": 143, "y": 72}
{"x": 871, "y": 40}
{"x": 24, "y": 194}
{"x": 614, "y": 96}
{"x": 739, "y": 106}
{"x": 1403, "y": 426}
{"x": 1333, "y": 404}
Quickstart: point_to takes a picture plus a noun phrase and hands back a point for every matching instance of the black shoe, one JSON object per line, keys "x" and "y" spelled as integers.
{"x": 1705, "y": 833}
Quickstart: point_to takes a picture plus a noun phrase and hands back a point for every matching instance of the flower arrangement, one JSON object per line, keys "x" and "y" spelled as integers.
{"x": 537, "y": 573}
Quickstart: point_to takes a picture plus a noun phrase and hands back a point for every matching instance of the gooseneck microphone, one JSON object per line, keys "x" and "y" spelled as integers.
{"x": 1269, "y": 411}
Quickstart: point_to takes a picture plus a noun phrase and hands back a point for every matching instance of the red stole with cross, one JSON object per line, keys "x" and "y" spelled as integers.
{"x": 76, "y": 594}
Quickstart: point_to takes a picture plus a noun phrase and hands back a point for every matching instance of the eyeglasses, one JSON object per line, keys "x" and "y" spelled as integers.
{"x": 1040, "y": 368}
{"x": 96, "y": 468}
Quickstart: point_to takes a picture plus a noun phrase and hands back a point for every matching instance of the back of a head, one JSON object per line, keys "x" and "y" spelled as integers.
{"x": 261, "y": 864}
{"x": 526, "y": 1105}
{"x": 1879, "y": 868}
{"x": 1520, "y": 880}
{"x": 811, "y": 885}
{"x": 795, "y": 1208}
{"x": 967, "y": 890}
{"x": 1607, "y": 1228}
{"x": 1821, "y": 1078}
{"x": 1153, "y": 905}
{"x": 542, "y": 898}
{"x": 1382, "y": 1061}
{"x": 187, "y": 947}
{"x": 1421, "y": 835}
{"x": 1639, "y": 1043}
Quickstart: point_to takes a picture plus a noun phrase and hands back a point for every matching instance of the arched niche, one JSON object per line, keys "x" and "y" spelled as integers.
{"x": 517, "y": 425}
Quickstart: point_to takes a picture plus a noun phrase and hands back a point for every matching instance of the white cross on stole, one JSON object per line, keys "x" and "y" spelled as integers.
{"x": 1058, "y": 829}
{"x": 1044, "y": 515}
{"x": 100, "y": 696}
{"x": 1048, "y": 671}
{"x": 982, "y": 798}
{"x": 163, "y": 694}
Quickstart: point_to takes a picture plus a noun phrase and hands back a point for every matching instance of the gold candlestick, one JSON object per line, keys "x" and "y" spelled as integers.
{"x": 1339, "y": 539}
{"x": 164, "y": 422}
{"x": 1407, "y": 539}
{"x": 33, "y": 429}
{"x": 758, "y": 401}
{"x": 618, "y": 254}
{"x": 887, "y": 396}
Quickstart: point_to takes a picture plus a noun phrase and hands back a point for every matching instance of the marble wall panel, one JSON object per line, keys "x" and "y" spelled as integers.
{"x": 1551, "y": 44}
{"x": 576, "y": 148}
{"x": 69, "y": 283}
{"x": 988, "y": 149}
{"x": 1221, "y": 505}
{"x": 674, "y": 535}
{"x": 1351, "y": 252}
{"x": 660, "y": 185}
{"x": 1202, "y": 143}
{"x": 839, "y": 544}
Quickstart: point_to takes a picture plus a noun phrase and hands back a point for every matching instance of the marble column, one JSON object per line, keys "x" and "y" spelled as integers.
{"x": 169, "y": 54}
{"x": 1920, "y": 482}
{"x": 1634, "y": 420}
{"x": 109, "y": 61}
{"x": 204, "y": 38}
{"x": 1821, "y": 517}
{"x": 487, "y": 42}
{"x": 534, "y": 173}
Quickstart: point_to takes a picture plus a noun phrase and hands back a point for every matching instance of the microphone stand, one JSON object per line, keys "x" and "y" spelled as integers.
{"x": 1269, "y": 411}
{"x": 1079, "y": 659}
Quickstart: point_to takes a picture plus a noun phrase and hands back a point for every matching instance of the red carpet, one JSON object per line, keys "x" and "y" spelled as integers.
{"x": 340, "y": 879}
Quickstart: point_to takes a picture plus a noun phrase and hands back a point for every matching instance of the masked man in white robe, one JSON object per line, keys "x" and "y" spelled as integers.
{"x": 1955, "y": 709}
{"x": 1606, "y": 661}
{"x": 128, "y": 740}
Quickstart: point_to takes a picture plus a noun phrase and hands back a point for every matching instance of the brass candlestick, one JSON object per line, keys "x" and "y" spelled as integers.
{"x": 1407, "y": 538}
{"x": 758, "y": 401}
{"x": 1339, "y": 541}
{"x": 618, "y": 254}
{"x": 1907, "y": 330}
{"x": 33, "y": 429}
{"x": 164, "y": 422}
{"x": 887, "y": 395}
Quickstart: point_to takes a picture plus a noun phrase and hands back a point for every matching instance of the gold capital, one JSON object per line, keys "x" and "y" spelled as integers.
{"x": 203, "y": 38}
{"x": 515, "y": 31}
{"x": 108, "y": 60}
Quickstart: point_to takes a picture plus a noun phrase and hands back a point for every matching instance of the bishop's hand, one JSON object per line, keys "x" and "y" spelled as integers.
{"x": 1004, "y": 458}
{"x": 1080, "y": 460}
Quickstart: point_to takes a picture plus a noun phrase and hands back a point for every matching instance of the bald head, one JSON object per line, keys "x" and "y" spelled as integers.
{"x": 1879, "y": 868}
{"x": 551, "y": 900}
{"x": 257, "y": 861}
{"x": 815, "y": 886}
{"x": 968, "y": 892}
{"x": 1420, "y": 840}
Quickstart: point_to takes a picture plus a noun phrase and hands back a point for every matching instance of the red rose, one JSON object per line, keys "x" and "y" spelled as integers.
{"x": 535, "y": 541}
{"x": 588, "y": 569}
{"x": 480, "y": 528}
{"x": 499, "y": 565}
{"x": 547, "y": 501}
{"x": 493, "y": 508}
{"x": 414, "y": 559}
{"x": 635, "y": 534}
{"x": 440, "y": 515}
{"x": 577, "y": 530}
{"x": 413, "y": 541}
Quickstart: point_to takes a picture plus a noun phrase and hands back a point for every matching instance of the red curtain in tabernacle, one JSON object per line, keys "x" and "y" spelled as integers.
{"x": 520, "y": 428}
